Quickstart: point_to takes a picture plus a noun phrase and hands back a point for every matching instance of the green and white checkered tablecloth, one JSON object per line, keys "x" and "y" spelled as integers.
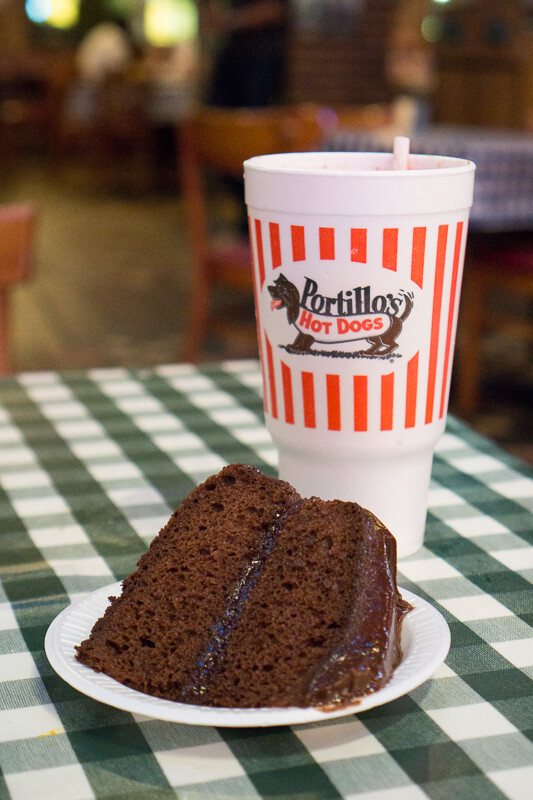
{"x": 91, "y": 465}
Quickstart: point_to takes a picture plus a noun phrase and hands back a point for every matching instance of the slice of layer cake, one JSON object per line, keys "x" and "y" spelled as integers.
{"x": 251, "y": 597}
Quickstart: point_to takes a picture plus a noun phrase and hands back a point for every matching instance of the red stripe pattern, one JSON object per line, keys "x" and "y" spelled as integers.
{"x": 451, "y": 317}
{"x": 260, "y": 254}
{"x": 360, "y": 403}
{"x": 308, "y": 390}
{"x": 271, "y": 378}
{"x": 418, "y": 256}
{"x": 327, "y": 243}
{"x": 258, "y": 319}
{"x": 288, "y": 400}
{"x": 435, "y": 321}
{"x": 298, "y": 242}
{"x": 333, "y": 393}
{"x": 275, "y": 247}
{"x": 358, "y": 245}
{"x": 411, "y": 392}
{"x": 414, "y": 390}
{"x": 387, "y": 401}
{"x": 390, "y": 248}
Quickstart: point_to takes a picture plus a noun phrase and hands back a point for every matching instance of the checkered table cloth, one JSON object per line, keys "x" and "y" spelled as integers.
{"x": 92, "y": 464}
{"x": 503, "y": 189}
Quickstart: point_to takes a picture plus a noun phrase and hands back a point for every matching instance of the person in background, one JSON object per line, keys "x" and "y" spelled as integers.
{"x": 249, "y": 60}
{"x": 104, "y": 51}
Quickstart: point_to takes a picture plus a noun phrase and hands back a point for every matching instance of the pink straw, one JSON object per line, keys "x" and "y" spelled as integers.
{"x": 400, "y": 152}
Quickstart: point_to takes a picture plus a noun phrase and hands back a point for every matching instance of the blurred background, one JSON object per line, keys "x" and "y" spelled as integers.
{"x": 91, "y": 136}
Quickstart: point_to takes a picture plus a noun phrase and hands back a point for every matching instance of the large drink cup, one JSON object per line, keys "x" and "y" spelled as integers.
{"x": 357, "y": 271}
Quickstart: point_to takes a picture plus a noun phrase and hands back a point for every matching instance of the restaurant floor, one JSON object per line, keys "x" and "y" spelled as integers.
{"x": 111, "y": 287}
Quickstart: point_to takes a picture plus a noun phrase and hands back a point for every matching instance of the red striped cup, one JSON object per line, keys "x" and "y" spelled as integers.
{"x": 357, "y": 271}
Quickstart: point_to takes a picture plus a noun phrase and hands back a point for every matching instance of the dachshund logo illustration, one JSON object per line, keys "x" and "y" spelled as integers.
{"x": 350, "y": 316}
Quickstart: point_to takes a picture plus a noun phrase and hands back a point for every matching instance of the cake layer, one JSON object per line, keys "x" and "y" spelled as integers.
{"x": 151, "y": 637}
{"x": 322, "y": 626}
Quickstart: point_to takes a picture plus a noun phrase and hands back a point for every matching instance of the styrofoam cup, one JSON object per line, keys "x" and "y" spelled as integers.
{"x": 357, "y": 271}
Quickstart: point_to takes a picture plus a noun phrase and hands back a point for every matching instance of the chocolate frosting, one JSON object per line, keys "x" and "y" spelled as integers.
{"x": 365, "y": 657}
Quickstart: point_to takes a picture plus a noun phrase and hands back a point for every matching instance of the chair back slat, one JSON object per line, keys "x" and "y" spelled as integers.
{"x": 16, "y": 242}
{"x": 17, "y": 230}
{"x": 224, "y": 138}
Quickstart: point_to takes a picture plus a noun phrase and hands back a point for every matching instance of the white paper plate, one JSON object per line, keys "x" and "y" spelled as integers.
{"x": 425, "y": 645}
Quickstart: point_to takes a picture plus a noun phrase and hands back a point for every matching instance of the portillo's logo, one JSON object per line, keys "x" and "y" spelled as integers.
{"x": 350, "y": 316}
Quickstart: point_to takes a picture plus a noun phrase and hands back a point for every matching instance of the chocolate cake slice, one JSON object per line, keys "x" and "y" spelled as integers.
{"x": 252, "y": 596}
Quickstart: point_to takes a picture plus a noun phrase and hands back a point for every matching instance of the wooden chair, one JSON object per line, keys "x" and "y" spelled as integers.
{"x": 497, "y": 270}
{"x": 17, "y": 227}
{"x": 370, "y": 116}
{"x": 219, "y": 140}
{"x": 32, "y": 89}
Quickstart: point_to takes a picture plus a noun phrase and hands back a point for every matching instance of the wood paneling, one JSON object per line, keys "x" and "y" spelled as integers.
{"x": 343, "y": 64}
{"x": 483, "y": 62}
